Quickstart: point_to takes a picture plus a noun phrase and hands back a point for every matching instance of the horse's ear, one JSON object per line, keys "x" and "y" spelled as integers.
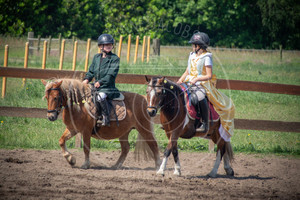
{"x": 147, "y": 79}
{"x": 58, "y": 83}
{"x": 44, "y": 82}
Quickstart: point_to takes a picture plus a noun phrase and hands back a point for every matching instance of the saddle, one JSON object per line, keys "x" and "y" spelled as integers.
{"x": 192, "y": 112}
{"x": 117, "y": 108}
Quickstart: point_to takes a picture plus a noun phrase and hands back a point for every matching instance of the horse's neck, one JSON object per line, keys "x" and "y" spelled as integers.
{"x": 178, "y": 112}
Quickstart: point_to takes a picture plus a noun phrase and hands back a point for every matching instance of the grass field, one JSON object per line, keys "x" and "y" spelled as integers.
{"x": 264, "y": 66}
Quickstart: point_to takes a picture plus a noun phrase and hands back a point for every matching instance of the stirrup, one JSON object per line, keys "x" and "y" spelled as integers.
{"x": 203, "y": 128}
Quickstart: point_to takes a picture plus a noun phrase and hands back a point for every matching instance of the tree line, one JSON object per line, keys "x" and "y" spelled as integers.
{"x": 231, "y": 23}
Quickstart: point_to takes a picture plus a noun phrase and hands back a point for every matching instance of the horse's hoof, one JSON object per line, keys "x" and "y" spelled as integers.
{"x": 229, "y": 172}
{"x": 212, "y": 175}
{"x": 177, "y": 173}
{"x": 72, "y": 161}
{"x": 116, "y": 166}
{"x": 160, "y": 172}
{"x": 85, "y": 166}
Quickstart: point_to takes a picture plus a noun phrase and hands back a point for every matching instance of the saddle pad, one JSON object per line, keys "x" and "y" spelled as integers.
{"x": 118, "y": 106}
{"x": 192, "y": 113}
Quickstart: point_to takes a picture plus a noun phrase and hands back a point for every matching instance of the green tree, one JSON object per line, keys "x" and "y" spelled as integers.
{"x": 281, "y": 19}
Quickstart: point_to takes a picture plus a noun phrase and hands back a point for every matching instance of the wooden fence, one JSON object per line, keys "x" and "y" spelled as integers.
{"x": 140, "y": 79}
{"x": 44, "y": 73}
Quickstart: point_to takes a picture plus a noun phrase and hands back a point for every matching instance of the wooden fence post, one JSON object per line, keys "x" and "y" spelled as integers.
{"x": 143, "y": 48}
{"x": 128, "y": 48}
{"x": 26, "y": 60}
{"x": 156, "y": 47}
{"x": 39, "y": 43}
{"x": 62, "y": 53}
{"x": 4, "y": 65}
{"x": 148, "y": 49}
{"x": 74, "y": 56}
{"x": 50, "y": 41}
{"x": 120, "y": 46}
{"x": 136, "y": 49}
{"x": 87, "y": 55}
{"x": 44, "y": 55}
{"x": 59, "y": 43}
{"x": 30, "y": 37}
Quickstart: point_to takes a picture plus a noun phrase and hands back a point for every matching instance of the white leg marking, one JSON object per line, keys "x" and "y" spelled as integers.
{"x": 177, "y": 170}
{"x": 162, "y": 166}
{"x": 214, "y": 171}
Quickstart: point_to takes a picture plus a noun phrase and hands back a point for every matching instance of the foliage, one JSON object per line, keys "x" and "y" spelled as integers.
{"x": 232, "y": 23}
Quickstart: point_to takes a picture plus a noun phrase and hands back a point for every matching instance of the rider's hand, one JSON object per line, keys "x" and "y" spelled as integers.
{"x": 97, "y": 84}
{"x": 85, "y": 81}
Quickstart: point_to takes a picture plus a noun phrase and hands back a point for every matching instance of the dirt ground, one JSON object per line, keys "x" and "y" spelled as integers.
{"x": 36, "y": 174}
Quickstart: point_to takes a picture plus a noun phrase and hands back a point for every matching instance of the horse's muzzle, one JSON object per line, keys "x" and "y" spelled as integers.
{"x": 52, "y": 116}
{"x": 151, "y": 112}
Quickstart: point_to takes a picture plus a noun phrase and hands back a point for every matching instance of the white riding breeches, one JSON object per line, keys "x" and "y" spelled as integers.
{"x": 101, "y": 96}
{"x": 200, "y": 92}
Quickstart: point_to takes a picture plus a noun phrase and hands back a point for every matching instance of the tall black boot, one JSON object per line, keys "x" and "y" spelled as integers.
{"x": 204, "y": 114}
{"x": 105, "y": 113}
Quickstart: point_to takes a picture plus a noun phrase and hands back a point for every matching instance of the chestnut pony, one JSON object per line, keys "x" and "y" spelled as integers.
{"x": 167, "y": 96}
{"x": 70, "y": 96}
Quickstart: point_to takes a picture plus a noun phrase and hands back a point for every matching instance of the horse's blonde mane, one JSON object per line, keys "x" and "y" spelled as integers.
{"x": 73, "y": 89}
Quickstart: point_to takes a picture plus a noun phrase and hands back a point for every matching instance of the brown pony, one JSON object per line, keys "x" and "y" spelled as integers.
{"x": 70, "y": 96}
{"x": 167, "y": 96}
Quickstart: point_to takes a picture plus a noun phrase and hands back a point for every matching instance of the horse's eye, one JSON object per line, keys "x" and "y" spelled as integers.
{"x": 55, "y": 98}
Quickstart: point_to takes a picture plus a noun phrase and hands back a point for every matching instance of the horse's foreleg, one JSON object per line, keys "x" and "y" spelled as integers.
{"x": 125, "y": 147}
{"x": 170, "y": 148}
{"x": 177, "y": 167}
{"x": 62, "y": 142}
{"x": 86, "y": 148}
{"x": 163, "y": 165}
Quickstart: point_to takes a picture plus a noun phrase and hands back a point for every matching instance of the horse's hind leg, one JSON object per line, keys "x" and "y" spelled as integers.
{"x": 86, "y": 148}
{"x": 62, "y": 142}
{"x": 228, "y": 157}
{"x": 220, "y": 152}
{"x": 124, "y": 150}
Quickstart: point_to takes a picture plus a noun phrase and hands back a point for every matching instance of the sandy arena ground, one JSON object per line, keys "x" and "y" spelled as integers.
{"x": 35, "y": 174}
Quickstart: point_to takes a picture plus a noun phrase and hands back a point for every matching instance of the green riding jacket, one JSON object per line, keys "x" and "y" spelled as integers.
{"x": 105, "y": 71}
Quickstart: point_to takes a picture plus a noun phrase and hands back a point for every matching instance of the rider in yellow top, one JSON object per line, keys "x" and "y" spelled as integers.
{"x": 199, "y": 75}
{"x": 199, "y": 69}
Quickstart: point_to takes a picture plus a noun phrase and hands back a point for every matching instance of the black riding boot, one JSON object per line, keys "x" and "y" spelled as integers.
{"x": 105, "y": 113}
{"x": 204, "y": 114}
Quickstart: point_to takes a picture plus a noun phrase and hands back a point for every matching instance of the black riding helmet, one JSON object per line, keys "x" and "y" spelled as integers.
{"x": 105, "y": 39}
{"x": 201, "y": 39}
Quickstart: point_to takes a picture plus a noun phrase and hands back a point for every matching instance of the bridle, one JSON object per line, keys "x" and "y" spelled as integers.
{"x": 60, "y": 101}
{"x": 163, "y": 93}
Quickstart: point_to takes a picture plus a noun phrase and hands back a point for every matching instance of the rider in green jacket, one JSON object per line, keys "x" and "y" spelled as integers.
{"x": 104, "y": 69}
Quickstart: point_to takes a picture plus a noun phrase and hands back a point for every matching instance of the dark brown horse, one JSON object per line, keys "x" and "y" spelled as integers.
{"x": 70, "y": 96}
{"x": 167, "y": 96}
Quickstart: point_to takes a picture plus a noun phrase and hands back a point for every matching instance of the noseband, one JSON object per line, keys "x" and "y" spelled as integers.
{"x": 60, "y": 101}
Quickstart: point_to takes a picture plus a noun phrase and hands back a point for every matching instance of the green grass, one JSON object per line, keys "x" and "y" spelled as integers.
{"x": 252, "y": 66}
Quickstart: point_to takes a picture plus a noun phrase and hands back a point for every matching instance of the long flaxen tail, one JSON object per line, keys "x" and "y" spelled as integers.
{"x": 142, "y": 149}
